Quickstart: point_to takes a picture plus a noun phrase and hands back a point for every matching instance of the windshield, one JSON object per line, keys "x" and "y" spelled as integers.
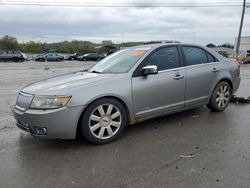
{"x": 119, "y": 62}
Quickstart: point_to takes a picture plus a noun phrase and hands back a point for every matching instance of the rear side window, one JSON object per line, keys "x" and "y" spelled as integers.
{"x": 165, "y": 58}
{"x": 194, "y": 56}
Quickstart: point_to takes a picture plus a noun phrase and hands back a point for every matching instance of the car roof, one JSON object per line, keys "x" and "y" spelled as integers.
{"x": 167, "y": 44}
{"x": 155, "y": 46}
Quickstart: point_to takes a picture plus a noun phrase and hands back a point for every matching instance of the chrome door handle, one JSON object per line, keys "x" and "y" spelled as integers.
{"x": 178, "y": 77}
{"x": 215, "y": 70}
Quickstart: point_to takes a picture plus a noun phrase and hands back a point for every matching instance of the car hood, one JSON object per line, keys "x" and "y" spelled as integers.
{"x": 63, "y": 85}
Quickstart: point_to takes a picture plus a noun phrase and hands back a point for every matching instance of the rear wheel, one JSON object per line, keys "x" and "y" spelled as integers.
{"x": 41, "y": 59}
{"x": 103, "y": 121}
{"x": 220, "y": 97}
{"x": 15, "y": 59}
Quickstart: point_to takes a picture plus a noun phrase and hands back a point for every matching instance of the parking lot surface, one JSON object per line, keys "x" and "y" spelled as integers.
{"x": 196, "y": 148}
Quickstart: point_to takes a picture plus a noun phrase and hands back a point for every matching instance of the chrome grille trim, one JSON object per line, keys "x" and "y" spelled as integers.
{"x": 23, "y": 101}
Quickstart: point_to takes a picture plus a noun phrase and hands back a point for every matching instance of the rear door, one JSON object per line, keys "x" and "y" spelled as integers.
{"x": 200, "y": 75}
{"x": 163, "y": 92}
{"x": 49, "y": 56}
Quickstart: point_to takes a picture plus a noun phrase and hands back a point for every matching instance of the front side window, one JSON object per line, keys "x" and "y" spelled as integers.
{"x": 194, "y": 56}
{"x": 165, "y": 58}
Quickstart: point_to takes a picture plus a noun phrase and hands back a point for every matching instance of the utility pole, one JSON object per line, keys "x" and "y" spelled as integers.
{"x": 240, "y": 29}
{"x": 122, "y": 39}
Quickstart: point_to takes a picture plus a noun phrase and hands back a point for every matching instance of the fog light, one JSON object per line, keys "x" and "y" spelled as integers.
{"x": 39, "y": 130}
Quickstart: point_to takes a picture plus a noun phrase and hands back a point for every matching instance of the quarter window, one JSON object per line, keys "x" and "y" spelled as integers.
{"x": 165, "y": 58}
{"x": 194, "y": 56}
{"x": 210, "y": 58}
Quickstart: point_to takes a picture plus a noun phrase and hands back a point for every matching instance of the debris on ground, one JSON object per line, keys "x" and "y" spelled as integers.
{"x": 187, "y": 156}
{"x": 195, "y": 116}
{"x": 236, "y": 99}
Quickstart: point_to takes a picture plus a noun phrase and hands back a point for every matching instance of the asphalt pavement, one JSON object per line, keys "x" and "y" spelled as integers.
{"x": 196, "y": 148}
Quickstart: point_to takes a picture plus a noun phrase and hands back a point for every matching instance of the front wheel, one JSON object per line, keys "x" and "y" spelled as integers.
{"x": 103, "y": 121}
{"x": 220, "y": 97}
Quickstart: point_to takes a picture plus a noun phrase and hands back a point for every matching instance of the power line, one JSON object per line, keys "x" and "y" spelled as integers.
{"x": 143, "y": 5}
{"x": 91, "y": 2}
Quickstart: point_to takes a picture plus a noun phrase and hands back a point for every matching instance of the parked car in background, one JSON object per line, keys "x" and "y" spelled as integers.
{"x": 103, "y": 55}
{"x": 247, "y": 59}
{"x": 89, "y": 57}
{"x": 129, "y": 86}
{"x": 74, "y": 56}
{"x": 71, "y": 57}
{"x": 49, "y": 57}
{"x": 12, "y": 55}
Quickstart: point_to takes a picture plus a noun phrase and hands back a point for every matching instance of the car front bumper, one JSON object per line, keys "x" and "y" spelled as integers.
{"x": 52, "y": 124}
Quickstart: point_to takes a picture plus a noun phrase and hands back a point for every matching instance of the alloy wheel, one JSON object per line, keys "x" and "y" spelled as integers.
{"x": 222, "y": 96}
{"x": 105, "y": 121}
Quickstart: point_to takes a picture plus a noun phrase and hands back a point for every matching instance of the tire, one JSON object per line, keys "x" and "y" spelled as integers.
{"x": 41, "y": 59}
{"x": 98, "y": 126}
{"x": 15, "y": 59}
{"x": 220, "y": 97}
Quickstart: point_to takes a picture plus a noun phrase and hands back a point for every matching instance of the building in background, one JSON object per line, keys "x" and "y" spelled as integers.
{"x": 244, "y": 45}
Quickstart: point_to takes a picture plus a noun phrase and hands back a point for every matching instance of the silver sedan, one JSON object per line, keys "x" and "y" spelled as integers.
{"x": 127, "y": 87}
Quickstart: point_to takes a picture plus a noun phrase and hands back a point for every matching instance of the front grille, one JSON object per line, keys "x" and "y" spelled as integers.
{"x": 23, "y": 101}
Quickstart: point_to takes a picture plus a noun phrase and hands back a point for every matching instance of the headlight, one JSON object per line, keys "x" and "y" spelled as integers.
{"x": 49, "y": 102}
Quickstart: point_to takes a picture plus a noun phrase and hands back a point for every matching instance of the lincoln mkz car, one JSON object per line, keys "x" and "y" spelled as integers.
{"x": 129, "y": 86}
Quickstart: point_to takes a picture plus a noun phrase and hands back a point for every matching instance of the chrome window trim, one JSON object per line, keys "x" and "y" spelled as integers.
{"x": 169, "y": 70}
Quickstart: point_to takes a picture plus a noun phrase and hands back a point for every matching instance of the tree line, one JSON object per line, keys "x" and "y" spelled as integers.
{"x": 226, "y": 45}
{"x": 74, "y": 46}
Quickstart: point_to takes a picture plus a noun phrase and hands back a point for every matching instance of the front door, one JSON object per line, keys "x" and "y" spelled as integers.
{"x": 163, "y": 92}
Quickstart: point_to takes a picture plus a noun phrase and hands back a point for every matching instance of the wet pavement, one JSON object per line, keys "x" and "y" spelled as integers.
{"x": 196, "y": 148}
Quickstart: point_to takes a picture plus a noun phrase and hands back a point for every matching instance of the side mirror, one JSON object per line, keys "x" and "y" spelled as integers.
{"x": 150, "y": 69}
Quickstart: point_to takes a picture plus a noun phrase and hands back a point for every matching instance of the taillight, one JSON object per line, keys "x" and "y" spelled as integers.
{"x": 237, "y": 63}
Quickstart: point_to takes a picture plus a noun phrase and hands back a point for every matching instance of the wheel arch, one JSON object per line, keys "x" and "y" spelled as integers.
{"x": 228, "y": 81}
{"x": 219, "y": 81}
{"x": 123, "y": 103}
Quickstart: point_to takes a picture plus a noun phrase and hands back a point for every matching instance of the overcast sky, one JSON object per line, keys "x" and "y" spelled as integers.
{"x": 51, "y": 24}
